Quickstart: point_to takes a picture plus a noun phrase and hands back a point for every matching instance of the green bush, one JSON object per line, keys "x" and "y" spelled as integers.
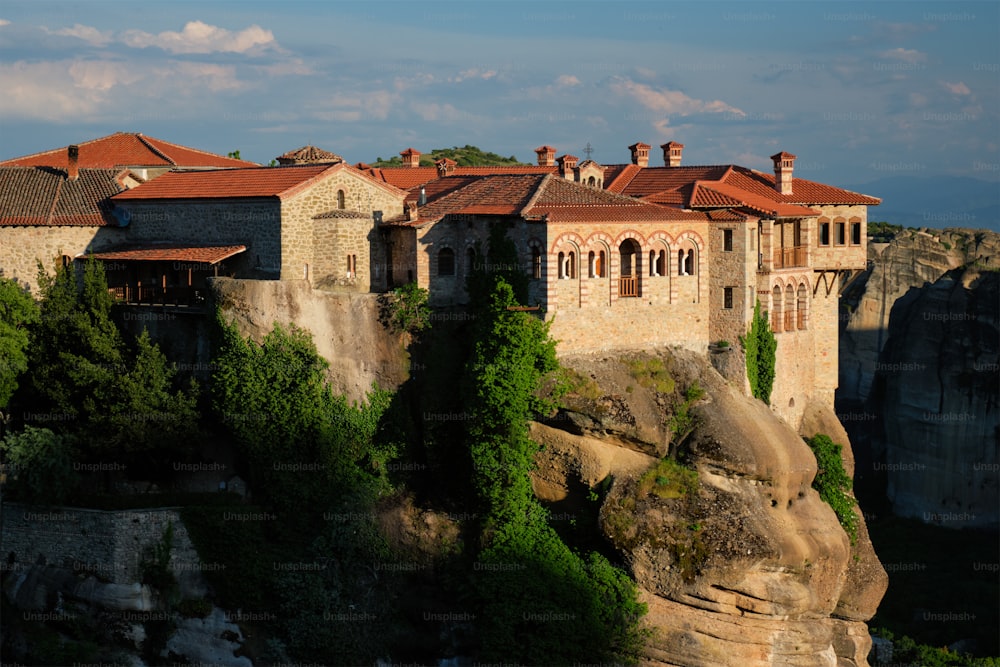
{"x": 40, "y": 465}
{"x": 833, "y": 483}
{"x": 760, "y": 346}
{"x": 405, "y": 308}
{"x": 668, "y": 479}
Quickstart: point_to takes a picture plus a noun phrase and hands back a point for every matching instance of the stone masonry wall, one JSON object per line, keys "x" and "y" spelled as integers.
{"x": 22, "y": 248}
{"x": 110, "y": 545}
{"x": 299, "y": 227}
{"x": 251, "y": 222}
{"x": 735, "y": 269}
{"x": 848, "y": 255}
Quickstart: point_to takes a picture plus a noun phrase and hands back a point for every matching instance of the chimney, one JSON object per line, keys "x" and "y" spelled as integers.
{"x": 784, "y": 163}
{"x": 410, "y": 211}
{"x": 445, "y": 166}
{"x": 423, "y": 196}
{"x": 640, "y": 154}
{"x": 672, "y": 153}
{"x": 567, "y": 163}
{"x": 546, "y": 156}
{"x": 411, "y": 158}
{"x": 73, "y": 170}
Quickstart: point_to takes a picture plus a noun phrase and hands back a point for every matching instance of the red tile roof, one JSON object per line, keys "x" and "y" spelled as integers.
{"x": 44, "y": 196}
{"x": 717, "y": 194}
{"x": 170, "y": 253}
{"x": 408, "y": 177}
{"x": 278, "y": 182}
{"x": 127, "y": 149}
{"x": 536, "y": 197}
{"x": 309, "y": 154}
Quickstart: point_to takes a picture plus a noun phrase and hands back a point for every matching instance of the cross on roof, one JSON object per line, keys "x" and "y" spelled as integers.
{"x": 587, "y": 150}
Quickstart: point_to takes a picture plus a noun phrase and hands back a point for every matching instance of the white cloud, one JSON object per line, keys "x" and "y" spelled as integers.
{"x": 473, "y": 73}
{"x": 198, "y": 37}
{"x": 957, "y": 88}
{"x": 101, "y": 75}
{"x": 4, "y": 22}
{"x": 904, "y": 55}
{"x": 668, "y": 102}
{"x": 46, "y": 91}
{"x": 87, "y": 33}
{"x": 567, "y": 80}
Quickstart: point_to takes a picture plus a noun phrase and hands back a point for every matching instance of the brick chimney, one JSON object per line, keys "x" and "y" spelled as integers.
{"x": 672, "y": 153}
{"x": 640, "y": 154}
{"x": 445, "y": 166}
{"x": 73, "y": 170}
{"x": 784, "y": 163}
{"x": 546, "y": 156}
{"x": 567, "y": 163}
{"x": 411, "y": 157}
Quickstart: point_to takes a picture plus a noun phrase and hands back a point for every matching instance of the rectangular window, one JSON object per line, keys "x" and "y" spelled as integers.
{"x": 855, "y": 233}
{"x": 824, "y": 233}
{"x": 841, "y": 233}
{"x": 727, "y": 240}
{"x": 727, "y": 299}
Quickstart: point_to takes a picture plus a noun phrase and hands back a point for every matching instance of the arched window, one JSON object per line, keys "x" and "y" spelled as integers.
{"x": 536, "y": 263}
{"x": 602, "y": 265}
{"x": 592, "y": 181}
{"x": 569, "y": 270}
{"x": 789, "y": 308}
{"x": 470, "y": 261}
{"x": 592, "y": 265}
{"x": 687, "y": 260}
{"x": 652, "y": 263}
{"x": 446, "y": 262}
{"x": 661, "y": 263}
{"x": 562, "y": 265}
{"x": 631, "y": 269}
{"x": 680, "y": 263}
{"x": 341, "y": 199}
{"x": 776, "y": 299}
{"x": 689, "y": 264}
{"x": 800, "y": 309}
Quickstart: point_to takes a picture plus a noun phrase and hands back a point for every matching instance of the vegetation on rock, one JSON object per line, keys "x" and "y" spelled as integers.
{"x": 465, "y": 156}
{"x": 833, "y": 482}
{"x": 760, "y": 346}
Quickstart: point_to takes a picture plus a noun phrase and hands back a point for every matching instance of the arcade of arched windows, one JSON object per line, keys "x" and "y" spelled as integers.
{"x": 789, "y": 305}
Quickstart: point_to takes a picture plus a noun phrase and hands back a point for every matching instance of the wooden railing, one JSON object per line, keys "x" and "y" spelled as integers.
{"x": 154, "y": 295}
{"x": 628, "y": 286}
{"x": 788, "y": 257}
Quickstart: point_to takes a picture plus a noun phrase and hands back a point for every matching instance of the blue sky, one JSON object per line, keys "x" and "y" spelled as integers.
{"x": 856, "y": 91}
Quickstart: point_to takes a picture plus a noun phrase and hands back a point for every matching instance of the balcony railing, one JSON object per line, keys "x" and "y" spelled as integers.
{"x": 628, "y": 286}
{"x": 154, "y": 295}
{"x": 785, "y": 258}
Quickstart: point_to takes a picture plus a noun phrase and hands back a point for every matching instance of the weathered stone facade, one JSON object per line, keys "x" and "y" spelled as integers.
{"x": 25, "y": 247}
{"x": 110, "y": 545}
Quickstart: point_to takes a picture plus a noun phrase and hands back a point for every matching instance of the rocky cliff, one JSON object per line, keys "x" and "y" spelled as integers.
{"x": 752, "y": 567}
{"x": 918, "y": 377}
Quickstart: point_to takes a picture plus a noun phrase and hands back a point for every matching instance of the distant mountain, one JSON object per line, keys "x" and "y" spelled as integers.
{"x": 939, "y": 202}
{"x": 465, "y": 156}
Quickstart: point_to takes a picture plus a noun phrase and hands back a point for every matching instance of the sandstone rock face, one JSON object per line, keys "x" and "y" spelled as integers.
{"x": 753, "y": 568}
{"x": 345, "y": 328}
{"x": 919, "y": 368}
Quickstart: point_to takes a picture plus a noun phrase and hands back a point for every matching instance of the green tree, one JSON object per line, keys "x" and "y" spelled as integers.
{"x": 18, "y": 312}
{"x": 760, "y": 345}
{"x": 543, "y": 603}
{"x": 40, "y": 465}
{"x": 833, "y": 482}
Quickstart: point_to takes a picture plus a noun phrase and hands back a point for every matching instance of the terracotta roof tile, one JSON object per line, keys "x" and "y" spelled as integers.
{"x": 409, "y": 177}
{"x": 340, "y": 213}
{"x": 127, "y": 149}
{"x": 560, "y": 200}
{"x": 718, "y": 195}
{"x": 309, "y": 155}
{"x": 803, "y": 191}
{"x": 169, "y": 253}
{"x": 278, "y": 182}
{"x": 44, "y": 196}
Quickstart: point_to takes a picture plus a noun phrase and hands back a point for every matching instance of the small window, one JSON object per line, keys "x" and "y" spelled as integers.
{"x": 727, "y": 297}
{"x": 352, "y": 266}
{"x": 592, "y": 265}
{"x": 855, "y": 233}
{"x": 446, "y": 262}
{"x": 568, "y": 265}
{"x": 652, "y": 263}
{"x": 341, "y": 199}
{"x": 727, "y": 240}
{"x": 536, "y": 263}
{"x": 841, "y": 233}
{"x": 824, "y": 233}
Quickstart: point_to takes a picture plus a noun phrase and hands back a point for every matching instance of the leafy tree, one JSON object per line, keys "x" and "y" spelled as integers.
{"x": 18, "y": 311}
{"x": 40, "y": 463}
{"x": 465, "y": 156}
{"x": 405, "y": 308}
{"x": 760, "y": 345}
{"x": 543, "y": 603}
{"x": 85, "y": 377}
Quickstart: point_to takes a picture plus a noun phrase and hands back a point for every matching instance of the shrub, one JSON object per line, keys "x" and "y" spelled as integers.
{"x": 405, "y": 308}
{"x": 668, "y": 479}
{"x": 760, "y": 346}
{"x": 833, "y": 483}
{"x": 41, "y": 465}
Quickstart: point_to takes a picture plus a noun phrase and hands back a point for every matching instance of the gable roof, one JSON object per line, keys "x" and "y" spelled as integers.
{"x": 44, "y": 196}
{"x": 127, "y": 149}
{"x": 540, "y": 197}
{"x": 281, "y": 182}
{"x": 168, "y": 253}
{"x": 309, "y": 154}
{"x": 409, "y": 177}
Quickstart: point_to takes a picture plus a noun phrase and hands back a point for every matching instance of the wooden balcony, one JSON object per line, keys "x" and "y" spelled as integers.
{"x": 154, "y": 295}
{"x": 628, "y": 286}
{"x": 786, "y": 258}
